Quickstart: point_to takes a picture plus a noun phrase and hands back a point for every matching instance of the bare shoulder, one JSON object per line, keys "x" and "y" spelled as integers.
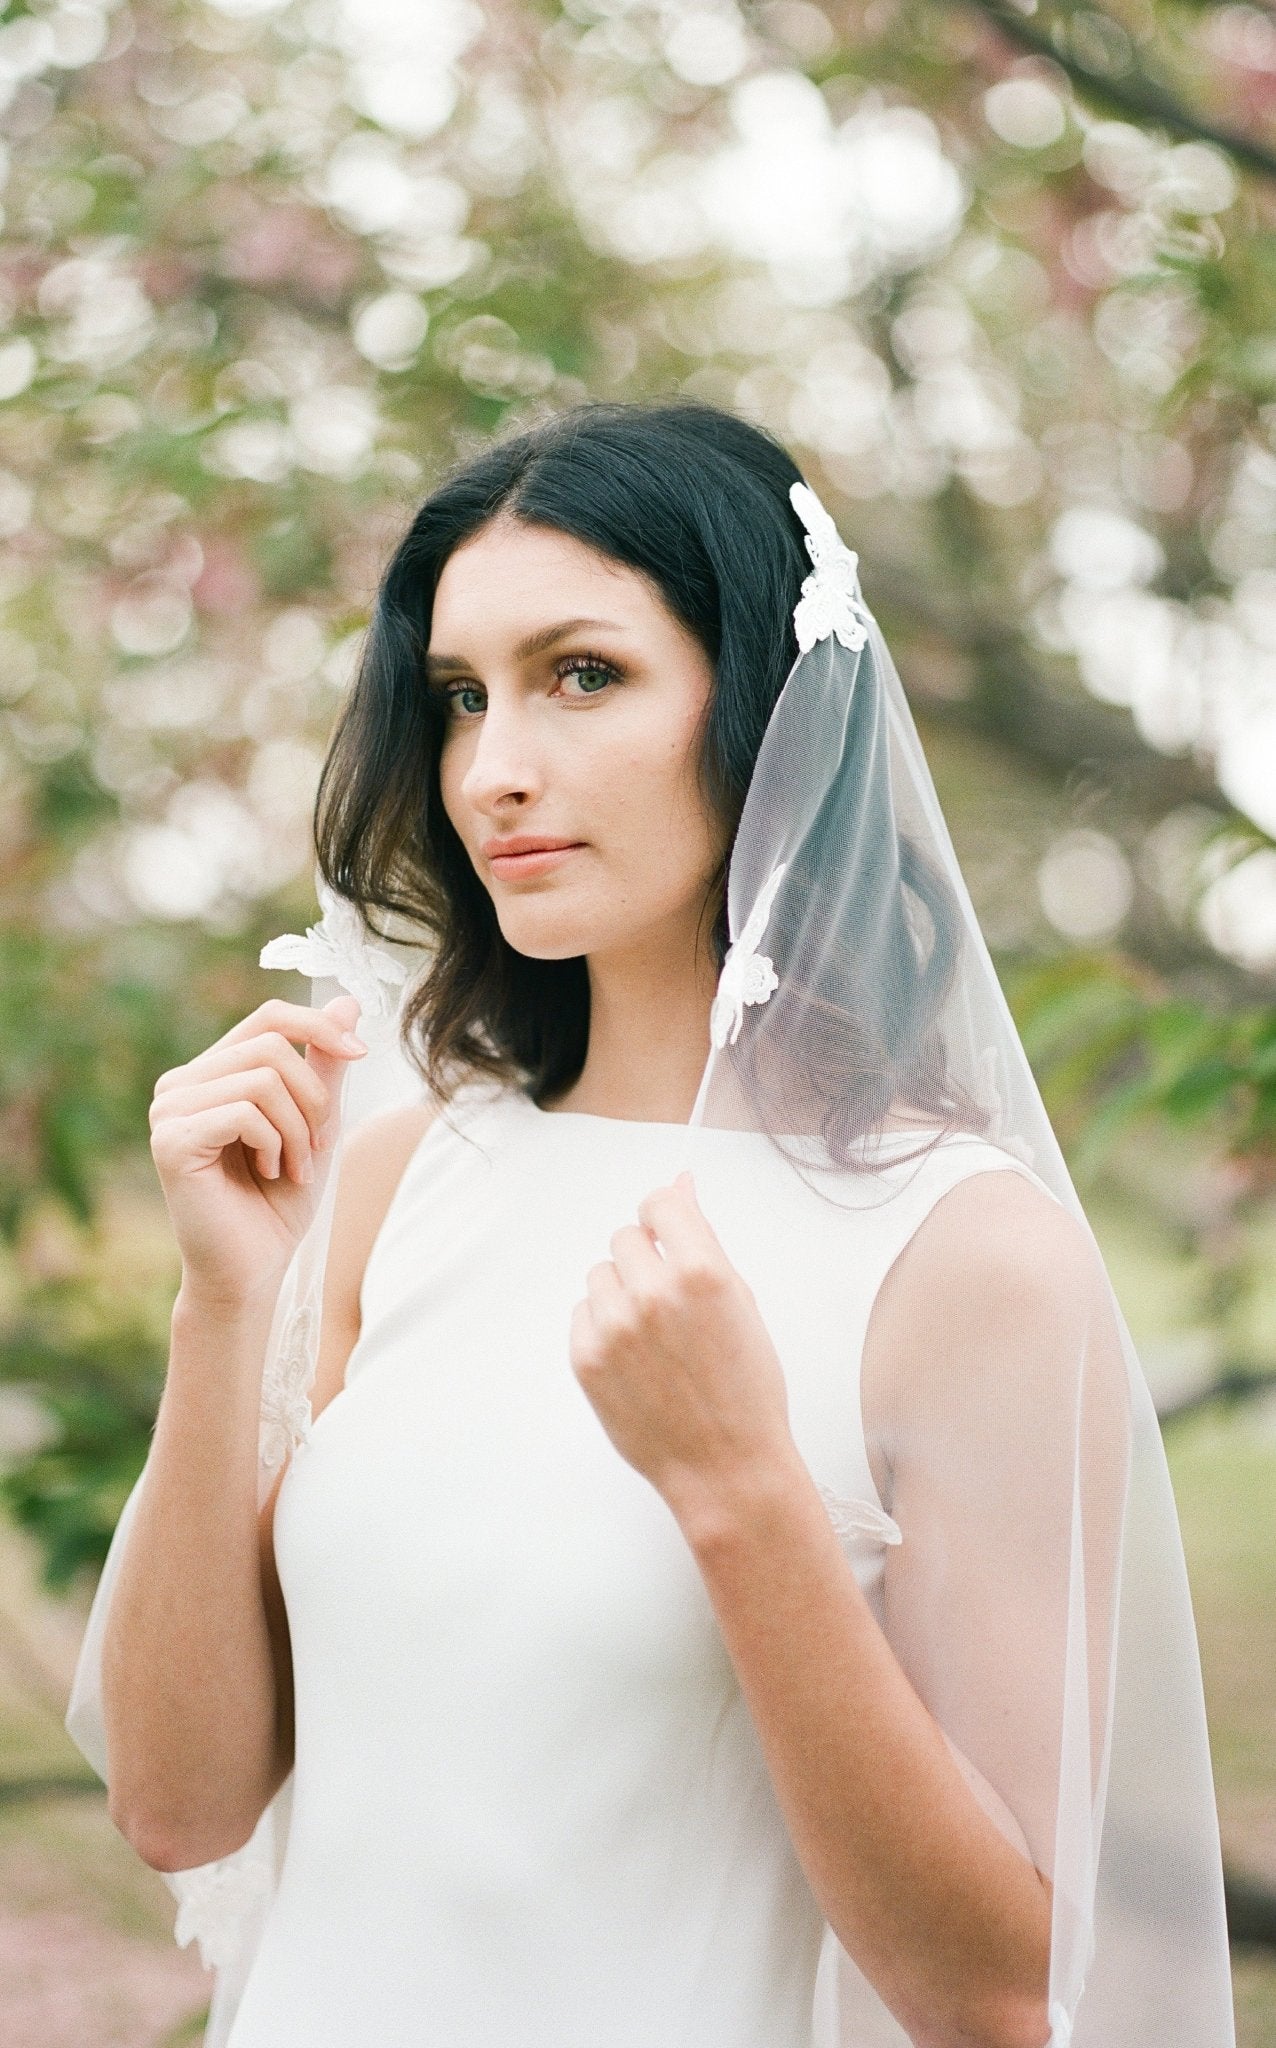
{"x": 996, "y": 1257}
{"x": 374, "y": 1158}
{"x": 1007, "y": 1232}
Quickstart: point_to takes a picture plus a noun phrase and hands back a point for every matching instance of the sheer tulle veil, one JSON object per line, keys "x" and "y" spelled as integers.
{"x": 1034, "y": 1554}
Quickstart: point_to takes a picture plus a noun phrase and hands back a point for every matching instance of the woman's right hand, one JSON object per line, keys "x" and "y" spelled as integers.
{"x": 240, "y": 1137}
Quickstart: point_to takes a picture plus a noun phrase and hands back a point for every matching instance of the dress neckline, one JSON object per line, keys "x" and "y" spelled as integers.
{"x": 589, "y": 1116}
{"x": 627, "y": 1123}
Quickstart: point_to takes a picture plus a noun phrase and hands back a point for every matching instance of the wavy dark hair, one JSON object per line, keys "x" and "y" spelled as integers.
{"x": 697, "y": 500}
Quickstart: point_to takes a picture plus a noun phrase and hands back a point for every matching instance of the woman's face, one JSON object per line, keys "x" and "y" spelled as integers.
{"x": 574, "y": 700}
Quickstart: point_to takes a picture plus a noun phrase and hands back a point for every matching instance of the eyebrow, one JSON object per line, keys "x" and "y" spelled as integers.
{"x": 535, "y": 643}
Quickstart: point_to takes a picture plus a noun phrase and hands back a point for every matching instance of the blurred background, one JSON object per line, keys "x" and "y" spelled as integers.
{"x": 1001, "y": 273}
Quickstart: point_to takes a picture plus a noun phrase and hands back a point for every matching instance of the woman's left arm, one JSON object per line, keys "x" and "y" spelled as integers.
{"x": 945, "y": 1916}
{"x": 948, "y": 1921}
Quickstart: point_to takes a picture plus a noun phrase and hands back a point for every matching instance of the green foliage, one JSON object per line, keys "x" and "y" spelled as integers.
{"x": 1109, "y": 1054}
{"x": 69, "y": 1494}
{"x": 86, "y": 1028}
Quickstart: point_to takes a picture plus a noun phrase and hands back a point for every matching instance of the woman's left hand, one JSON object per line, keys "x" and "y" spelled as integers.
{"x": 675, "y": 1358}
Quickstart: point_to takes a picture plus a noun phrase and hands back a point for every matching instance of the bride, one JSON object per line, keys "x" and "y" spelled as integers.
{"x": 683, "y": 1606}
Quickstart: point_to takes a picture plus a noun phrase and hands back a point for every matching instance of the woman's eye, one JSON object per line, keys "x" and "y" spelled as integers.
{"x": 451, "y": 697}
{"x": 593, "y": 675}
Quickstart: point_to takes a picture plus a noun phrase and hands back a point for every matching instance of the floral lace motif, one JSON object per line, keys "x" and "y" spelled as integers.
{"x": 216, "y": 1905}
{"x": 339, "y": 947}
{"x": 285, "y": 1388}
{"x": 858, "y": 1518}
{"x": 747, "y": 976}
{"x": 831, "y": 600}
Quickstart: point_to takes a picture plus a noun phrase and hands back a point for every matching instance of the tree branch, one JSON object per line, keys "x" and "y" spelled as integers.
{"x": 1234, "y": 1383}
{"x": 1135, "y": 94}
{"x": 1251, "y": 1911}
{"x": 1065, "y": 738}
{"x": 1016, "y": 706}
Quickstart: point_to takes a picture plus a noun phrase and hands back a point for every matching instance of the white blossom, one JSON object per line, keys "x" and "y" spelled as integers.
{"x": 339, "y": 947}
{"x": 747, "y": 976}
{"x": 831, "y": 601}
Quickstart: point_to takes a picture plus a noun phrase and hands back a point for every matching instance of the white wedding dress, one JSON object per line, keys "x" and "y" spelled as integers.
{"x": 529, "y": 1807}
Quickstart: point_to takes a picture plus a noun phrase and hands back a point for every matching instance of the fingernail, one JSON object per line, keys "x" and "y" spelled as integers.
{"x": 351, "y": 1043}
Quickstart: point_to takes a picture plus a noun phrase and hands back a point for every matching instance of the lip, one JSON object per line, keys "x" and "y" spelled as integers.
{"x": 511, "y": 858}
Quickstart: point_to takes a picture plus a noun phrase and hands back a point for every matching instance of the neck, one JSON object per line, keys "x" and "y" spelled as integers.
{"x": 648, "y": 1033}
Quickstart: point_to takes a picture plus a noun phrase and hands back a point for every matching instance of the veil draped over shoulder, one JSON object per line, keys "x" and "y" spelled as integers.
{"x": 1035, "y": 1591}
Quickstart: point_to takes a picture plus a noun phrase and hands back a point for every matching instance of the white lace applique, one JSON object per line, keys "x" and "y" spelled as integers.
{"x": 831, "y": 600}
{"x": 285, "y": 1388}
{"x": 746, "y": 976}
{"x": 854, "y": 1518}
{"x": 217, "y": 1905}
{"x": 339, "y": 947}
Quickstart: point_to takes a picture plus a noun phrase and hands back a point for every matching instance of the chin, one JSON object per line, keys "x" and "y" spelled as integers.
{"x": 547, "y": 940}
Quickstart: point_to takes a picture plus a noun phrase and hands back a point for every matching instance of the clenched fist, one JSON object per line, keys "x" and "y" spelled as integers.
{"x": 673, "y": 1355}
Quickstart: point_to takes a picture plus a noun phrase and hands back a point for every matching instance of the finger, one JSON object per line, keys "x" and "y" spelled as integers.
{"x": 331, "y": 1028}
{"x": 265, "y": 1088}
{"x": 636, "y": 1258}
{"x": 681, "y": 1224}
{"x": 582, "y": 1340}
{"x": 603, "y": 1288}
{"x": 312, "y": 1095}
{"x": 344, "y": 1009}
{"x": 179, "y": 1142}
{"x": 331, "y": 1069}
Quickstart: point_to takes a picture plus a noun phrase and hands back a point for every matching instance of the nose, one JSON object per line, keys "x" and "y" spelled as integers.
{"x": 502, "y": 767}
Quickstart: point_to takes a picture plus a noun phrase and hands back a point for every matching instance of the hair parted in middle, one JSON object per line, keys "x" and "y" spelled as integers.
{"x": 696, "y": 500}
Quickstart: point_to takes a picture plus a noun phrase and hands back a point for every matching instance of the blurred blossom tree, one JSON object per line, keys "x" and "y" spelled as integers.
{"x": 1001, "y": 274}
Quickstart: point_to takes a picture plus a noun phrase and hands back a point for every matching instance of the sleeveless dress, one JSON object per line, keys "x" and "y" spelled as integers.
{"x": 529, "y": 1808}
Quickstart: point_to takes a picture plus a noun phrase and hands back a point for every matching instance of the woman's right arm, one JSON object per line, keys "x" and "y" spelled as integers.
{"x": 191, "y": 1655}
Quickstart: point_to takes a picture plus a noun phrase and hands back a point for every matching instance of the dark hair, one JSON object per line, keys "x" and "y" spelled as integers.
{"x": 695, "y": 499}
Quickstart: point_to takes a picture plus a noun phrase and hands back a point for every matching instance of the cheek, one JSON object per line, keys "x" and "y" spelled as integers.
{"x": 451, "y": 771}
{"x": 648, "y": 789}
{"x": 680, "y": 774}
